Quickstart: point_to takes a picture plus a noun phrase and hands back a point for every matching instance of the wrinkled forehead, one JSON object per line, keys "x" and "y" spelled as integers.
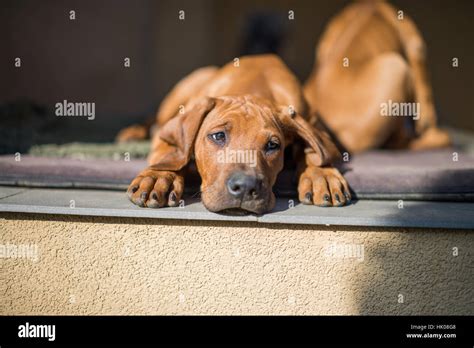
{"x": 244, "y": 114}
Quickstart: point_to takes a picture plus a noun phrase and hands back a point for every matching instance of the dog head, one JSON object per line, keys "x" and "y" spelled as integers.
{"x": 238, "y": 145}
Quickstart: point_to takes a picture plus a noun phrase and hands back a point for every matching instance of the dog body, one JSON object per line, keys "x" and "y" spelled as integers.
{"x": 252, "y": 108}
{"x": 371, "y": 56}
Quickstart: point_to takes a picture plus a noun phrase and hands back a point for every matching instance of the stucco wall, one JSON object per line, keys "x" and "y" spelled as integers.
{"x": 144, "y": 266}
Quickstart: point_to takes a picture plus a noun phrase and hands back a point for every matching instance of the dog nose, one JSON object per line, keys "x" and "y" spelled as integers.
{"x": 241, "y": 185}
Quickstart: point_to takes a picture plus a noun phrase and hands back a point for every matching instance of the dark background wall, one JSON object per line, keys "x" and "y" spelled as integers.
{"x": 82, "y": 60}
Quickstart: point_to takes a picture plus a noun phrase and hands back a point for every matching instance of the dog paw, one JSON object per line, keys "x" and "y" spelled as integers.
{"x": 432, "y": 138}
{"x": 156, "y": 189}
{"x": 324, "y": 187}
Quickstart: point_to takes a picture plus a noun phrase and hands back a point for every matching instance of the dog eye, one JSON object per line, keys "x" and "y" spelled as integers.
{"x": 218, "y": 137}
{"x": 272, "y": 146}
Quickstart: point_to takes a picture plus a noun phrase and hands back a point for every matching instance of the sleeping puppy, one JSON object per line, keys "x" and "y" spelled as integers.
{"x": 235, "y": 122}
{"x": 370, "y": 68}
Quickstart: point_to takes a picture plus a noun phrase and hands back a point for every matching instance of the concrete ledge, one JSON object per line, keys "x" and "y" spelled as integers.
{"x": 110, "y": 265}
{"x": 361, "y": 213}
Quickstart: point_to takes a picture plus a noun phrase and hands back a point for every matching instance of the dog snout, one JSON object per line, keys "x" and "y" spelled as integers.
{"x": 244, "y": 186}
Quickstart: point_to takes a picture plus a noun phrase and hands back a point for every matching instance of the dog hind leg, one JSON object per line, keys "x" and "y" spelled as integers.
{"x": 383, "y": 79}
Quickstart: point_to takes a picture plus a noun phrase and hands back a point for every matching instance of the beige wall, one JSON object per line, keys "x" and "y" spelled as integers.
{"x": 146, "y": 266}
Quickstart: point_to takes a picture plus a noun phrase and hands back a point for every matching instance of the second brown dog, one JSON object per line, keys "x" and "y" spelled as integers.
{"x": 372, "y": 57}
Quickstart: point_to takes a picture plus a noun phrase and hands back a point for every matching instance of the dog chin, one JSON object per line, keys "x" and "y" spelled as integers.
{"x": 258, "y": 207}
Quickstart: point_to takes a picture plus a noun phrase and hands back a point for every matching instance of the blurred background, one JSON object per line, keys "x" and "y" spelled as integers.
{"x": 82, "y": 60}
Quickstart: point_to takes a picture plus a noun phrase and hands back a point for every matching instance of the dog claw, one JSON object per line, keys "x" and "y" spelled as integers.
{"x": 172, "y": 196}
{"x": 324, "y": 204}
{"x": 131, "y": 191}
{"x": 348, "y": 198}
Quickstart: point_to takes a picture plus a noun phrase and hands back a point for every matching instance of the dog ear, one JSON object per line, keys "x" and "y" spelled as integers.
{"x": 321, "y": 150}
{"x": 179, "y": 134}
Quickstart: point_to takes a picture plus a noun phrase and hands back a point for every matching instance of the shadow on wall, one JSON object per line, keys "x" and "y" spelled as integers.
{"x": 418, "y": 272}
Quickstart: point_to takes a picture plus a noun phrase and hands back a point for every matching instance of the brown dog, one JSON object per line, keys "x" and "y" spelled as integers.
{"x": 236, "y": 122}
{"x": 372, "y": 57}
